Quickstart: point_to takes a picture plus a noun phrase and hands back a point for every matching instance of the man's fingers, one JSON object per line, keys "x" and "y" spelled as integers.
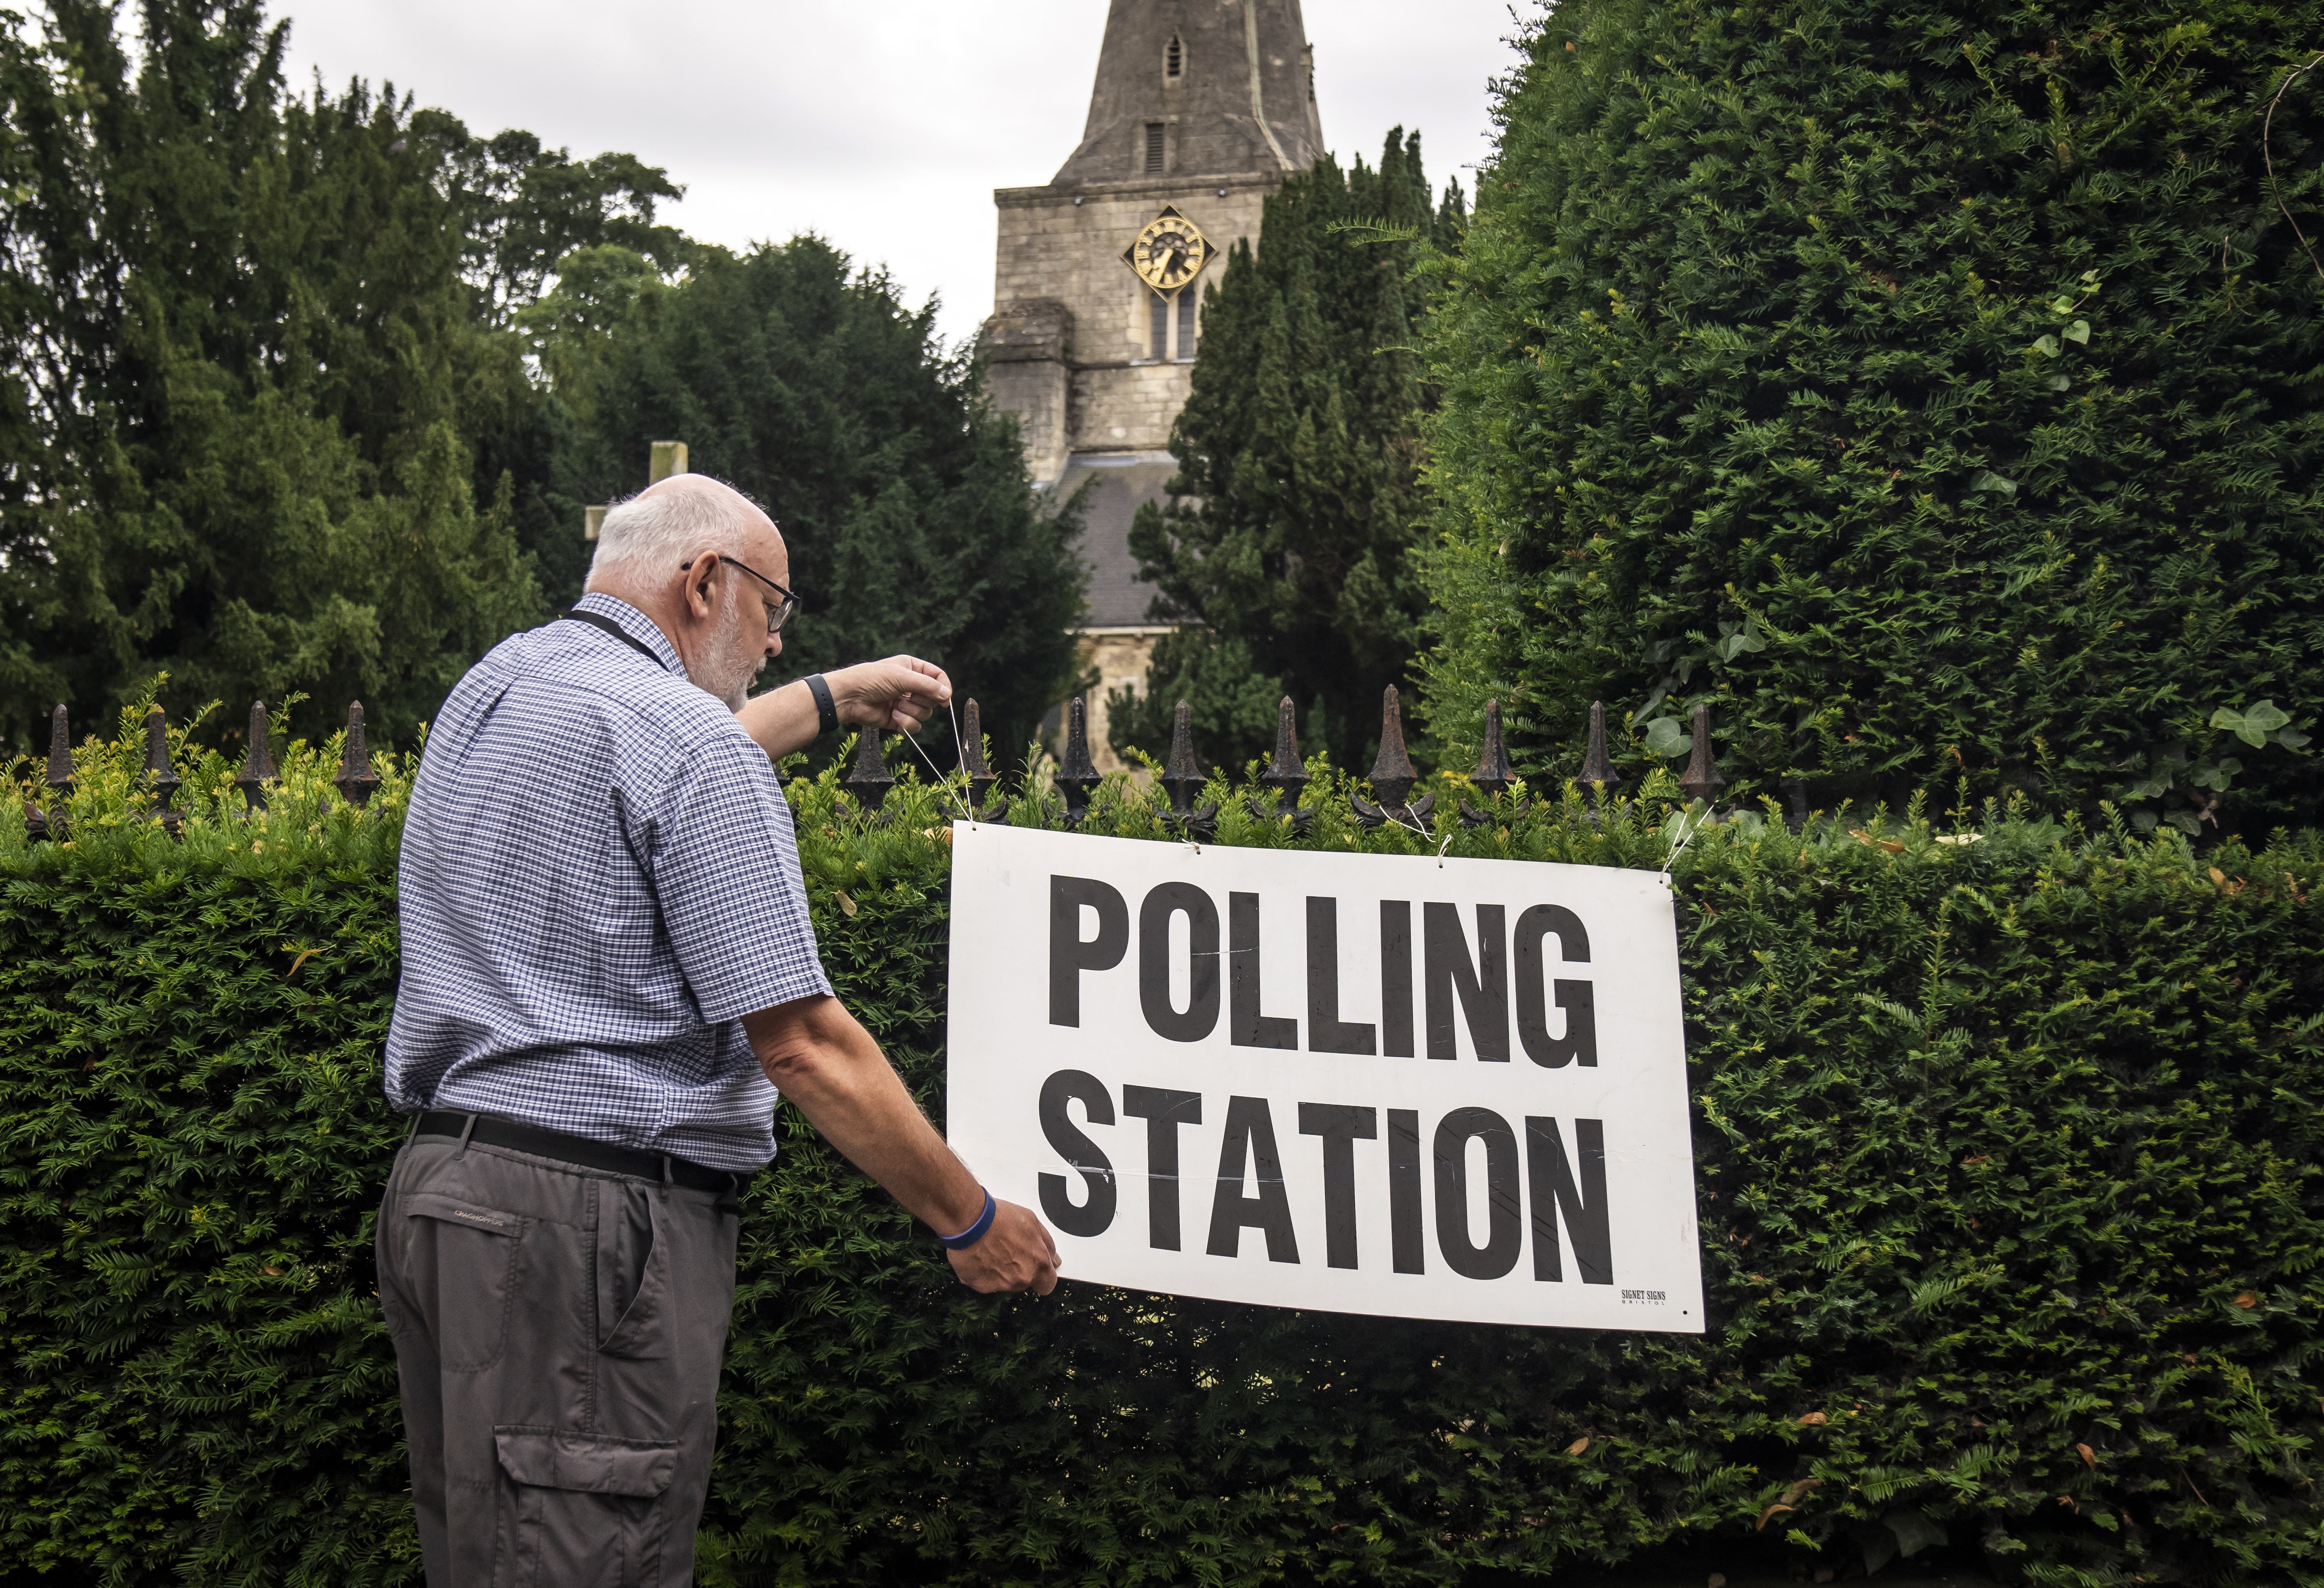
{"x": 928, "y": 670}
{"x": 917, "y": 675}
{"x": 896, "y": 695}
{"x": 1016, "y": 1254}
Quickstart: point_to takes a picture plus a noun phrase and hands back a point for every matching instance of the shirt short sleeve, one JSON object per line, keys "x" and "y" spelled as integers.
{"x": 725, "y": 869}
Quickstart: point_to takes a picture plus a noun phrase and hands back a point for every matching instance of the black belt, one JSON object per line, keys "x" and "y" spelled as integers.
{"x": 494, "y": 1131}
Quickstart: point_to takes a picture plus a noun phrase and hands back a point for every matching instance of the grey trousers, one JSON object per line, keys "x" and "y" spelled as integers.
{"x": 557, "y": 1332}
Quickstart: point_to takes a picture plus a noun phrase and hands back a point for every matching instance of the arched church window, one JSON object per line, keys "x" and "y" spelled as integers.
{"x": 1174, "y": 59}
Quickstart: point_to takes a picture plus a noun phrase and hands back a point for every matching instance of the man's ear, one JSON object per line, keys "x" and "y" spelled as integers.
{"x": 699, "y": 574}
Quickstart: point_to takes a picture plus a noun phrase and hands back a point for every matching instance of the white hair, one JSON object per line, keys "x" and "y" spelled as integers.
{"x": 651, "y": 535}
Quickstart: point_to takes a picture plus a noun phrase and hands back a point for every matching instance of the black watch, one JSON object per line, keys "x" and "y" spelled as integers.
{"x": 827, "y": 714}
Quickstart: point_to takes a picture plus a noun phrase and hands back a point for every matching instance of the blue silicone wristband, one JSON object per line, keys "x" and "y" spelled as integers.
{"x": 975, "y": 1231}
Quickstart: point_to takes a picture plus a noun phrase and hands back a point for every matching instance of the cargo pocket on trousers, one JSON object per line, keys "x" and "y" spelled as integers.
{"x": 634, "y": 1310}
{"x": 580, "y": 1510}
{"x": 474, "y": 1272}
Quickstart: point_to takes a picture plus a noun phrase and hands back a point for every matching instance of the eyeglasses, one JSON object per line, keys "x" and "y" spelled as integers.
{"x": 780, "y": 614}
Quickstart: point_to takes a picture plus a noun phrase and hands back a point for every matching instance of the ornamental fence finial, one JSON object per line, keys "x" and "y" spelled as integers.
{"x": 1702, "y": 780}
{"x": 1287, "y": 774}
{"x": 868, "y": 777}
{"x": 980, "y": 774}
{"x": 1077, "y": 775}
{"x": 1182, "y": 778}
{"x": 161, "y": 777}
{"x": 40, "y": 823}
{"x": 355, "y": 779}
{"x": 1393, "y": 775}
{"x": 1494, "y": 774}
{"x": 257, "y": 762}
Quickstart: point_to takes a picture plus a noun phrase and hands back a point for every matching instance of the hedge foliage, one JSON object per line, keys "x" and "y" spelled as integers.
{"x": 1932, "y": 385}
{"x": 2008, "y": 1135}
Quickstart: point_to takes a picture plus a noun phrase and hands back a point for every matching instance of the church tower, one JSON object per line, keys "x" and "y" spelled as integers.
{"x": 1200, "y": 108}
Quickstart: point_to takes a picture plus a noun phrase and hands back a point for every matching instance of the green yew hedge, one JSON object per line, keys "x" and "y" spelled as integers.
{"x": 2006, "y": 1133}
{"x": 1928, "y": 385}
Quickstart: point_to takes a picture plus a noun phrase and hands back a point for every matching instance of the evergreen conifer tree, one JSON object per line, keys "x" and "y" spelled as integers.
{"x": 1930, "y": 387}
{"x": 1297, "y": 496}
{"x": 808, "y": 384}
{"x": 252, "y": 351}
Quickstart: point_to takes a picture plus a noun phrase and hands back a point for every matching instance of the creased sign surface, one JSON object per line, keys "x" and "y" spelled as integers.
{"x": 1366, "y": 1084}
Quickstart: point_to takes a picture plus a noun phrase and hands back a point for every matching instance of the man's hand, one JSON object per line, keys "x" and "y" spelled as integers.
{"x": 895, "y": 696}
{"x": 1015, "y": 1254}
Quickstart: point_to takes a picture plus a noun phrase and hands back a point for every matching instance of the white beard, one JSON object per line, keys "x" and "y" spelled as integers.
{"x": 735, "y": 658}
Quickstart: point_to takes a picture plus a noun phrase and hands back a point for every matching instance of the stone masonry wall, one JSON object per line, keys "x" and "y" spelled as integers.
{"x": 1052, "y": 246}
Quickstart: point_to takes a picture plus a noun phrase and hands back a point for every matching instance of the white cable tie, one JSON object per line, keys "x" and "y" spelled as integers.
{"x": 941, "y": 781}
{"x": 1424, "y": 835}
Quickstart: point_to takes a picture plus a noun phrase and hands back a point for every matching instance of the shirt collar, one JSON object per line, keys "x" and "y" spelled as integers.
{"x": 634, "y": 624}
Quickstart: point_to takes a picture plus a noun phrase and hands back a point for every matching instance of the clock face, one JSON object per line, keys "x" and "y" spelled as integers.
{"x": 1169, "y": 253}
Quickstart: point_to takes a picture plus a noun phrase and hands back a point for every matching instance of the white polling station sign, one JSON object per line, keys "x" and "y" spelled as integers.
{"x": 1366, "y": 1084}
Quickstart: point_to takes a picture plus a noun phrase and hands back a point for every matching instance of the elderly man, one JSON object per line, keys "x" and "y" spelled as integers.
{"x": 608, "y": 972}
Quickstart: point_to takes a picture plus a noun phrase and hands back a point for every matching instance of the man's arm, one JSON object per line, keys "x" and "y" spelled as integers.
{"x": 896, "y": 696}
{"x": 828, "y": 1066}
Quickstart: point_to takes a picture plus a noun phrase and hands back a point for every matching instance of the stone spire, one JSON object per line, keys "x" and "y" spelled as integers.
{"x": 1198, "y": 88}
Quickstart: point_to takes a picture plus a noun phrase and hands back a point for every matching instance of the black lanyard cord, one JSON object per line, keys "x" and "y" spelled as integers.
{"x": 599, "y": 620}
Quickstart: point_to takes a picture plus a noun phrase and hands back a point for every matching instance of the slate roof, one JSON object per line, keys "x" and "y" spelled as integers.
{"x": 1118, "y": 597}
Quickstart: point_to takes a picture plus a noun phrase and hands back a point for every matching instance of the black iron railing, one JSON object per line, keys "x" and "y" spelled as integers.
{"x": 868, "y": 780}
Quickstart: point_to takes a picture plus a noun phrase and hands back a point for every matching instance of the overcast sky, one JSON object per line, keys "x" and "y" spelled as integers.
{"x": 884, "y": 127}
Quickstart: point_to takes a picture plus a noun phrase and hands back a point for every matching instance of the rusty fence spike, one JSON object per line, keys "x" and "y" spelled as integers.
{"x": 1287, "y": 774}
{"x": 161, "y": 777}
{"x": 1597, "y": 766}
{"x": 1393, "y": 775}
{"x": 257, "y": 762}
{"x": 355, "y": 779}
{"x": 1182, "y": 778}
{"x": 980, "y": 773}
{"x": 972, "y": 751}
{"x": 1702, "y": 780}
{"x": 50, "y": 823}
{"x": 61, "y": 767}
{"x": 1494, "y": 773}
{"x": 1077, "y": 775}
{"x": 868, "y": 777}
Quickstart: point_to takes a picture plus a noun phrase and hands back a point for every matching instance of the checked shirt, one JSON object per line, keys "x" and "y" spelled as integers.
{"x": 598, "y": 878}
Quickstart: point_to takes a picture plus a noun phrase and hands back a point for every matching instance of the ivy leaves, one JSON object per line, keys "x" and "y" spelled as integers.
{"x": 2263, "y": 724}
{"x": 2189, "y": 782}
